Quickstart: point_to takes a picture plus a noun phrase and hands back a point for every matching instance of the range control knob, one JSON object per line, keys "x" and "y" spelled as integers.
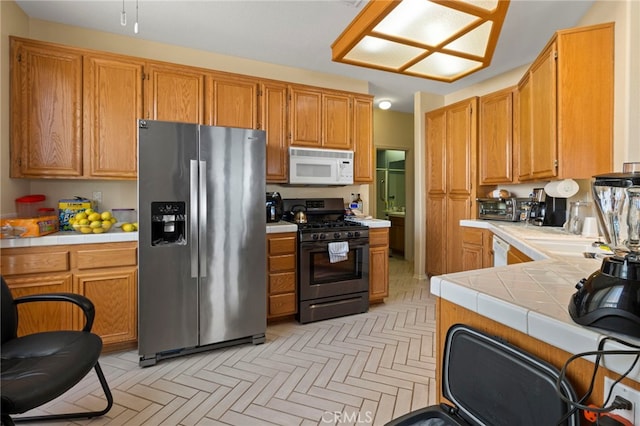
{"x": 350, "y": 234}
{"x": 336, "y": 235}
{"x": 314, "y": 236}
{"x": 357, "y": 233}
{"x": 323, "y": 236}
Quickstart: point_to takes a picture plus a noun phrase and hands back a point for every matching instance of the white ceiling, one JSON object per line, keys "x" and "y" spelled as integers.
{"x": 299, "y": 33}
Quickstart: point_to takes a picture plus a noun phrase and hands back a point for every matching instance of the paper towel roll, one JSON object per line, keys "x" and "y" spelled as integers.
{"x": 562, "y": 188}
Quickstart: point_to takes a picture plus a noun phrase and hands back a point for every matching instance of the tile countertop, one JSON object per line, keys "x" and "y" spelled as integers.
{"x": 533, "y": 297}
{"x": 370, "y": 222}
{"x": 70, "y": 237}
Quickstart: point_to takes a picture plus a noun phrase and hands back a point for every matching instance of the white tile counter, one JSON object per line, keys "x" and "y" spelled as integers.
{"x": 282, "y": 226}
{"x": 532, "y": 297}
{"x": 70, "y": 237}
{"x": 371, "y": 223}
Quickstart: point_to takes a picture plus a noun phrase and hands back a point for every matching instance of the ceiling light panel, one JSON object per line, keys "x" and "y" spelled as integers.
{"x": 445, "y": 66}
{"x": 474, "y": 42}
{"x": 388, "y": 54}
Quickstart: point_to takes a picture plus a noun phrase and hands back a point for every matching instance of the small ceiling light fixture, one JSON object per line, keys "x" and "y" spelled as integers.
{"x": 123, "y": 16}
{"x": 384, "y": 104}
{"x": 441, "y": 40}
{"x": 135, "y": 25}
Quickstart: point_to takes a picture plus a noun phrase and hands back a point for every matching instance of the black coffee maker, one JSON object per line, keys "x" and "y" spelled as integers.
{"x": 274, "y": 207}
{"x": 546, "y": 210}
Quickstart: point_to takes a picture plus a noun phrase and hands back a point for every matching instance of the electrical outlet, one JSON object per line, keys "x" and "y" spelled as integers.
{"x": 627, "y": 393}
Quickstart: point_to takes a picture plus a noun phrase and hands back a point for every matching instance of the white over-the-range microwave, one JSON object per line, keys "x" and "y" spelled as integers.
{"x": 313, "y": 166}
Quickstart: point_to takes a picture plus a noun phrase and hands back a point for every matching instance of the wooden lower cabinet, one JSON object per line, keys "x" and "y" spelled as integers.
{"x": 396, "y": 234}
{"x": 477, "y": 252}
{"x": 516, "y": 256}
{"x": 106, "y": 273}
{"x": 378, "y": 264}
{"x": 281, "y": 275}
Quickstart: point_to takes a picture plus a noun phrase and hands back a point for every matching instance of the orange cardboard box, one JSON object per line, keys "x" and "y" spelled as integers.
{"x": 29, "y": 227}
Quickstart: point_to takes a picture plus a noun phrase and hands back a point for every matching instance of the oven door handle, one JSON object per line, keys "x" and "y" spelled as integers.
{"x": 324, "y": 245}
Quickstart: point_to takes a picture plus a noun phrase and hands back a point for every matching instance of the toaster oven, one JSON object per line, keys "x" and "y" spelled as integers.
{"x": 506, "y": 209}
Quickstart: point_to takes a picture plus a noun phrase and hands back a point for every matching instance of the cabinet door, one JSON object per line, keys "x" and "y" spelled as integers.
{"x": 378, "y": 264}
{"x": 495, "y": 138}
{"x": 458, "y": 208}
{"x": 174, "y": 93}
{"x": 543, "y": 111}
{"x": 233, "y": 102}
{"x": 113, "y": 292}
{"x": 460, "y": 144}
{"x": 436, "y": 152}
{"x": 363, "y": 139}
{"x": 42, "y": 316}
{"x": 305, "y": 111}
{"x": 46, "y": 108}
{"x": 336, "y": 121}
{"x": 112, "y": 104}
{"x": 436, "y": 235}
{"x": 273, "y": 113}
{"x": 522, "y": 129}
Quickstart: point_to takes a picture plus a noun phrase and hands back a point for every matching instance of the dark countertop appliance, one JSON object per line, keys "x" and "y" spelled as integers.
{"x": 274, "y": 206}
{"x": 546, "y": 210}
{"x": 506, "y": 209}
{"x": 333, "y": 260}
{"x": 610, "y": 297}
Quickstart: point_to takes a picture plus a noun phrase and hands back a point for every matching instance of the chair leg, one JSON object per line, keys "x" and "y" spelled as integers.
{"x": 88, "y": 414}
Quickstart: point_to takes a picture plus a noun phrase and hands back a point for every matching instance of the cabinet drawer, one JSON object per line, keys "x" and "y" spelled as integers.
{"x": 32, "y": 263}
{"x": 282, "y": 283}
{"x": 472, "y": 236}
{"x": 285, "y": 245}
{"x": 282, "y": 304}
{"x": 106, "y": 258}
{"x": 379, "y": 237}
{"x": 282, "y": 263}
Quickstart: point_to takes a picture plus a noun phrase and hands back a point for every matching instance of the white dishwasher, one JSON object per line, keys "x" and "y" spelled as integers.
{"x": 500, "y": 249}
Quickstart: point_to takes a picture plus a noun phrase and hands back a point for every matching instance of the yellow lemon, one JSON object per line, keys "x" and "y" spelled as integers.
{"x": 135, "y": 225}
{"x": 98, "y": 230}
{"x": 94, "y": 217}
{"x": 113, "y": 220}
{"x": 106, "y": 224}
{"x": 95, "y": 224}
{"x": 89, "y": 211}
{"x": 80, "y": 216}
{"x": 127, "y": 227}
{"x": 86, "y": 229}
{"x": 106, "y": 215}
{"x": 83, "y": 222}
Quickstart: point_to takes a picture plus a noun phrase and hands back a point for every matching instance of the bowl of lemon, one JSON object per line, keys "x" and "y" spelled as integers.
{"x": 92, "y": 222}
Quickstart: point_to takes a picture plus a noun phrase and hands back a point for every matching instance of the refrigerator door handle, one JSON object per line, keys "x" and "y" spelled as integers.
{"x": 202, "y": 236}
{"x": 193, "y": 216}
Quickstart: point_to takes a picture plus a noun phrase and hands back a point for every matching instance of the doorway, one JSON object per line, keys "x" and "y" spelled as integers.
{"x": 391, "y": 200}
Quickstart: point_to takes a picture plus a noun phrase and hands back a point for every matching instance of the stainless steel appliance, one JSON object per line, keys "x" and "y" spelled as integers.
{"x": 330, "y": 287}
{"x": 201, "y": 250}
{"x": 546, "y": 210}
{"x": 610, "y": 297}
{"x": 506, "y": 209}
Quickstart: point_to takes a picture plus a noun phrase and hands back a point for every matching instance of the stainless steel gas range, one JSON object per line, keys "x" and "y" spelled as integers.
{"x": 333, "y": 260}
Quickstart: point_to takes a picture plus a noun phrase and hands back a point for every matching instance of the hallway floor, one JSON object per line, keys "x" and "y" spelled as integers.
{"x": 360, "y": 369}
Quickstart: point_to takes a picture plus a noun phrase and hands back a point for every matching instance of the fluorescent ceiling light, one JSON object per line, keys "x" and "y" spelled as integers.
{"x": 437, "y": 39}
{"x": 384, "y": 105}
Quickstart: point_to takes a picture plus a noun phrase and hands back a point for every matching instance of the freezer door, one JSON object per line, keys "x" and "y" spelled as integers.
{"x": 233, "y": 234}
{"x": 168, "y": 274}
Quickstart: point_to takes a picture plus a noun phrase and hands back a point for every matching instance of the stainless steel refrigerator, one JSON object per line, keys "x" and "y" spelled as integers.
{"x": 201, "y": 246}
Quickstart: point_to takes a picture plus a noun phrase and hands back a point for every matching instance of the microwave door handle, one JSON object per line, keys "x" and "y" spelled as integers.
{"x": 193, "y": 216}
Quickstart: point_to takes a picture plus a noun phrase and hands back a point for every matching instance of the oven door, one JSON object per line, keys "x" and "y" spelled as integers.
{"x": 320, "y": 278}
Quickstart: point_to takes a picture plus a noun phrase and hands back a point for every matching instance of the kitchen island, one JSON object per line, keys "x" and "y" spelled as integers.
{"x": 527, "y": 303}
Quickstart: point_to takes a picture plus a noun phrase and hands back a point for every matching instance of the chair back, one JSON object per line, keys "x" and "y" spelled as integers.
{"x": 9, "y": 312}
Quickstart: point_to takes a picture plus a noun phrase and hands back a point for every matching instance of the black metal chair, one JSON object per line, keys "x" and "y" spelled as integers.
{"x": 39, "y": 367}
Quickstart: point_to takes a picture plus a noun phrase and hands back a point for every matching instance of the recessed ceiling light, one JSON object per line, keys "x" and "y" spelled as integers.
{"x": 384, "y": 104}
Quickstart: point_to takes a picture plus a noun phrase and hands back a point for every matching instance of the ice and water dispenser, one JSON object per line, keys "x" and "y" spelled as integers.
{"x": 168, "y": 223}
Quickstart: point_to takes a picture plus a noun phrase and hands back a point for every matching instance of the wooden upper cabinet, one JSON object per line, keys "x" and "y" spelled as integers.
{"x": 362, "y": 124}
{"x": 233, "y": 101}
{"x": 495, "y": 153}
{"x": 565, "y": 111}
{"x": 112, "y": 104}
{"x": 305, "y": 116}
{"x": 46, "y": 110}
{"x": 436, "y": 152}
{"x": 174, "y": 93}
{"x": 336, "y": 121}
{"x": 273, "y": 119}
{"x": 461, "y": 138}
